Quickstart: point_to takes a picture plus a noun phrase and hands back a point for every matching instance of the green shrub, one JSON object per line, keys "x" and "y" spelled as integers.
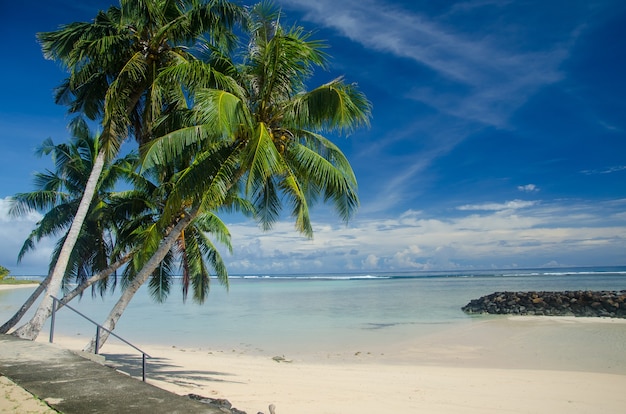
{"x": 3, "y": 272}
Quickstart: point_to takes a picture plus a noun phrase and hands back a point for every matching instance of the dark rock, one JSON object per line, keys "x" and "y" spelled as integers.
{"x": 222, "y": 404}
{"x": 568, "y": 303}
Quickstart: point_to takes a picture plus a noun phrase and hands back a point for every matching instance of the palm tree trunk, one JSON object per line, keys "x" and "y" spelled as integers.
{"x": 32, "y": 328}
{"x": 67, "y": 297}
{"x": 93, "y": 279}
{"x": 26, "y": 306}
{"x": 140, "y": 279}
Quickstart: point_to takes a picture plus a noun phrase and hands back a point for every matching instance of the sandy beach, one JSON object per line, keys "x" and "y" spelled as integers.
{"x": 483, "y": 364}
{"x": 491, "y": 365}
{"x": 23, "y": 285}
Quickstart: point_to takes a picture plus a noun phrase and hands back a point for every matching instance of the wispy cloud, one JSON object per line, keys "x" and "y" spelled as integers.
{"x": 411, "y": 170}
{"x": 510, "y": 205}
{"x": 608, "y": 170}
{"x": 489, "y": 80}
{"x": 465, "y": 6}
{"x": 468, "y": 79}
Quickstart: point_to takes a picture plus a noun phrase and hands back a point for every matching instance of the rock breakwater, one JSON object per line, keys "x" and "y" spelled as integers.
{"x": 569, "y": 303}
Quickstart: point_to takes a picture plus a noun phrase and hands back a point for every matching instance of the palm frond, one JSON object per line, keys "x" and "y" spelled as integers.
{"x": 328, "y": 150}
{"x": 335, "y": 182}
{"x": 217, "y": 116}
{"x": 221, "y": 111}
{"x": 210, "y": 223}
{"x": 206, "y": 181}
{"x": 267, "y": 203}
{"x": 161, "y": 282}
{"x": 334, "y": 106}
{"x": 261, "y": 158}
{"x": 299, "y": 204}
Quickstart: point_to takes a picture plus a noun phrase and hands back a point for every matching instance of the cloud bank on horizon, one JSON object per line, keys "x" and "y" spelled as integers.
{"x": 497, "y": 141}
{"x": 514, "y": 234}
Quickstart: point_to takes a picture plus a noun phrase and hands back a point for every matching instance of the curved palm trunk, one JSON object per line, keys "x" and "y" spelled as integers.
{"x": 67, "y": 297}
{"x": 93, "y": 279}
{"x": 140, "y": 279}
{"x": 32, "y": 328}
{"x": 26, "y": 306}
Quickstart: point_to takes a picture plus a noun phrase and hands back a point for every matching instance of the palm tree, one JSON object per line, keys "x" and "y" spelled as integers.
{"x": 263, "y": 134}
{"x": 180, "y": 237}
{"x": 58, "y": 195}
{"x": 275, "y": 125}
{"x": 192, "y": 251}
{"x": 113, "y": 63}
{"x": 198, "y": 257}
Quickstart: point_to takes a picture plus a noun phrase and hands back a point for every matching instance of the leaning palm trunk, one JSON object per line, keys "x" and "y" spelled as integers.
{"x": 32, "y": 328}
{"x": 67, "y": 297}
{"x": 93, "y": 279}
{"x": 26, "y": 306}
{"x": 140, "y": 279}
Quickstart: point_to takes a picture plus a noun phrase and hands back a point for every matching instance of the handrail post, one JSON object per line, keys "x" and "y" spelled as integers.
{"x": 97, "y": 340}
{"x": 97, "y": 348}
{"x": 143, "y": 367}
{"x": 54, "y": 308}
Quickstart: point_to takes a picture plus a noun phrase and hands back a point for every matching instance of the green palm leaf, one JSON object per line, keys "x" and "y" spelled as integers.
{"x": 333, "y": 106}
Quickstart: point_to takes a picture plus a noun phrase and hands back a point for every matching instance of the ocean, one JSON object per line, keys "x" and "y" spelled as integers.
{"x": 329, "y": 312}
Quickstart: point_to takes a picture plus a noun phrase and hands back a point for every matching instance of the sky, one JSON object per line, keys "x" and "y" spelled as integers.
{"x": 497, "y": 141}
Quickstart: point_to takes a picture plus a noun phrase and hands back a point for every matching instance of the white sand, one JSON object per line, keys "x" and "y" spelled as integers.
{"x": 492, "y": 365}
{"x": 21, "y": 285}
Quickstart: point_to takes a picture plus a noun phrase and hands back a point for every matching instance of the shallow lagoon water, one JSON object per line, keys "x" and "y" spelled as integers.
{"x": 314, "y": 312}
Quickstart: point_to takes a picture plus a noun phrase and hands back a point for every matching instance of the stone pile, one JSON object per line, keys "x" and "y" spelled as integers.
{"x": 224, "y": 405}
{"x": 569, "y": 303}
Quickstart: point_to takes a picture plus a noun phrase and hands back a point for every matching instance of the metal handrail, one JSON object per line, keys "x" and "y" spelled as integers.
{"x": 98, "y": 327}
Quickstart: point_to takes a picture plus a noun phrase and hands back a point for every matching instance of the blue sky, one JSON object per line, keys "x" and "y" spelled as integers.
{"x": 498, "y": 136}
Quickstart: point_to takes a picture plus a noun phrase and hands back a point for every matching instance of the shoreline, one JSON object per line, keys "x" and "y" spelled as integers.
{"x": 480, "y": 364}
{"x": 18, "y": 285}
{"x": 489, "y": 365}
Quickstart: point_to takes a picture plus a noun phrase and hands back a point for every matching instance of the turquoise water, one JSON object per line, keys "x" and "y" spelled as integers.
{"x": 315, "y": 312}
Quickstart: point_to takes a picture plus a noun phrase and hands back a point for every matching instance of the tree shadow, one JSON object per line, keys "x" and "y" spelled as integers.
{"x": 162, "y": 369}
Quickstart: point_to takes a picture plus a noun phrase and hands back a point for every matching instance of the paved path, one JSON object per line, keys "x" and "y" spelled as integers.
{"x": 72, "y": 384}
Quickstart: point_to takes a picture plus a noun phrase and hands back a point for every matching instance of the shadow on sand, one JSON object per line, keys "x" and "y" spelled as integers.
{"x": 162, "y": 369}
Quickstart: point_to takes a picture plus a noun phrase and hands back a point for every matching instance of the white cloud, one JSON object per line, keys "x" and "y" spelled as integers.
{"x": 14, "y": 231}
{"x": 6, "y": 219}
{"x": 371, "y": 262}
{"x": 509, "y": 205}
{"x": 509, "y": 234}
{"x": 528, "y": 188}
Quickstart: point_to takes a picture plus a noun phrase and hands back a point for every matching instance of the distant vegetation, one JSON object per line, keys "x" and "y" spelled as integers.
{"x": 3, "y": 272}
{"x": 4, "y": 280}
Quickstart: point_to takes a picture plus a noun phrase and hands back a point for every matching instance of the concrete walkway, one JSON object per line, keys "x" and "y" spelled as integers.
{"x": 72, "y": 384}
